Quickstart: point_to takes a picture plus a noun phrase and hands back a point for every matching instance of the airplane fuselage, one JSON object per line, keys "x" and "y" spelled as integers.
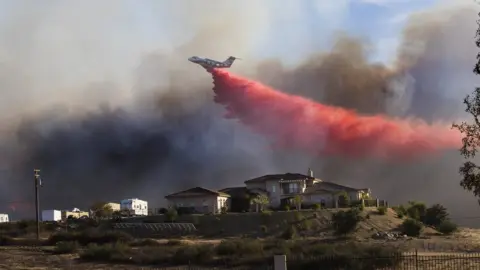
{"x": 209, "y": 63}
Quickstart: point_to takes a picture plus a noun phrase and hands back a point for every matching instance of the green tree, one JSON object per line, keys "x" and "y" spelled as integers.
{"x": 471, "y": 135}
{"x": 435, "y": 215}
{"x": 345, "y": 222}
{"x": 102, "y": 210}
{"x": 412, "y": 227}
{"x": 171, "y": 215}
{"x": 298, "y": 202}
{"x": 343, "y": 199}
{"x": 416, "y": 210}
{"x": 260, "y": 201}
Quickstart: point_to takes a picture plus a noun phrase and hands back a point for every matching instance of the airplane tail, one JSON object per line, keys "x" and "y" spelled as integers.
{"x": 230, "y": 60}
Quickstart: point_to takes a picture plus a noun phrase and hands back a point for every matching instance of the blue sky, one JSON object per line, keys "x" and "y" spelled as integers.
{"x": 381, "y": 21}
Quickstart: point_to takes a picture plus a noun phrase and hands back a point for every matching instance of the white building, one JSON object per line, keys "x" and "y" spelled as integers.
{"x": 51, "y": 215}
{"x": 4, "y": 218}
{"x": 135, "y": 206}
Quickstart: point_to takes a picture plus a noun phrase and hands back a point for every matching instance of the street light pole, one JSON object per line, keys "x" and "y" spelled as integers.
{"x": 36, "y": 173}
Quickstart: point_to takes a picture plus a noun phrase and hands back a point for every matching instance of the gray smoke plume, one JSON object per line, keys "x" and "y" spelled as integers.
{"x": 100, "y": 131}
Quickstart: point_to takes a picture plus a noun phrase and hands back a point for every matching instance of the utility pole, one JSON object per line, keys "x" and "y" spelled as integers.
{"x": 38, "y": 183}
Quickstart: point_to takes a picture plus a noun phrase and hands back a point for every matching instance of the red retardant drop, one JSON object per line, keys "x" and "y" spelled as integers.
{"x": 298, "y": 123}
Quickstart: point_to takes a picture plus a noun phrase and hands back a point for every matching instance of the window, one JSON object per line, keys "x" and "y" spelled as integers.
{"x": 293, "y": 188}
{"x": 273, "y": 188}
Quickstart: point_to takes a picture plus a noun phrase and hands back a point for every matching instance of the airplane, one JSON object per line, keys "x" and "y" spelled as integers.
{"x": 209, "y": 63}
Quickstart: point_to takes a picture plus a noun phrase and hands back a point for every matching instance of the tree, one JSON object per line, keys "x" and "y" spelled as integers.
{"x": 345, "y": 222}
{"x": 416, "y": 210}
{"x": 171, "y": 215}
{"x": 435, "y": 215}
{"x": 260, "y": 201}
{"x": 412, "y": 227}
{"x": 101, "y": 210}
{"x": 298, "y": 202}
{"x": 471, "y": 134}
{"x": 343, "y": 199}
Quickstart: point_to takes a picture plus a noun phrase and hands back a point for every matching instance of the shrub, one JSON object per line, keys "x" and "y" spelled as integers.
{"x": 194, "y": 254}
{"x": 174, "y": 242}
{"x": 109, "y": 252}
{"x": 412, "y": 227}
{"x": 416, "y": 210}
{"x": 145, "y": 243}
{"x": 91, "y": 237}
{"x": 345, "y": 222}
{"x": 290, "y": 233}
{"x": 382, "y": 210}
{"x": 5, "y": 240}
{"x": 239, "y": 247}
{"x": 343, "y": 199}
{"x": 435, "y": 215}
{"x": 226, "y": 248}
{"x": 400, "y": 210}
{"x": 264, "y": 229}
{"x": 317, "y": 206}
{"x": 65, "y": 247}
{"x": 447, "y": 227}
{"x": 249, "y": 247}
{"x": 171, "y": 215}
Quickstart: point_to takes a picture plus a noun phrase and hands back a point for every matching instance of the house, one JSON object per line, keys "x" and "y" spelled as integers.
{"x": 74, "y": 213}
{"x": 4, "y": 218}
{"x": 201, "y": 200}
{"x": 135, "y": 206}
{"x": 51, "y": 215}
{"x": 282, "y": 188}
{"x": 114, "y": 206}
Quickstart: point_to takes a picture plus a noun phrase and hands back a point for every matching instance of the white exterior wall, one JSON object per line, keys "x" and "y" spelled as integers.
{"x": 4, "y": 218}
{"x": 221, "y": 202}
{"x": 274, "y": 193}
{"x": 51, "y": 215}
{"x": 326, "y": 198}
{"x": 138, "y": 207}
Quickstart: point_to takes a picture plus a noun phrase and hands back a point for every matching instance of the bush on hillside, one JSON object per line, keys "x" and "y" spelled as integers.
{"x": 345, "y": 222}
{"x": 106, "y": 253}
{"x": 65, "y": 248}
{"x": 416, "y": 210}
{"x": 145, "y": 243}
{"x": 435, "y": 215}
{"x": 90, "y": 237}
{"x": 5, "y": 240}
{"x": 197, "y": 254}
{"x": 400, "y": 210}
{"x": 344, "y": 257}
{"x": 249, "y": 251}
{"x": 447, "y": 227}
{"x": 171, "y": 215}
{"x": 382, "y": 210}
{"x": 412, "y": 227}
{"x": 290, "y": 233}
{"x": 343, "y": 199}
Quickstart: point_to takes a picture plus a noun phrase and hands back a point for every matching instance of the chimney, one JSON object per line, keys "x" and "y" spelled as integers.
{"x": 310, "y": 172}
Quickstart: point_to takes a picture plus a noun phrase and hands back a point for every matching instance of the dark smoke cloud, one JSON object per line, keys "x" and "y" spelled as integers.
{"x": 173, "y": 137}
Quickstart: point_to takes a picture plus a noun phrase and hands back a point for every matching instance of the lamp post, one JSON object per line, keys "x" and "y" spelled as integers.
{"x": 38, "y": 183}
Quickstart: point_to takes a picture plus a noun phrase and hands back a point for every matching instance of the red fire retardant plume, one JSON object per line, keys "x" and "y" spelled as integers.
{"x": 302, "y": 124}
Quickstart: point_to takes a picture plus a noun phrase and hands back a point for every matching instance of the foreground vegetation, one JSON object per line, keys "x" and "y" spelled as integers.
{"x": 121, "y": 248}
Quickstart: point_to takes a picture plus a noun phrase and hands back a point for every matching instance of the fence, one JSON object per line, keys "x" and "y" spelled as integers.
{"x": 405, "y": 261}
